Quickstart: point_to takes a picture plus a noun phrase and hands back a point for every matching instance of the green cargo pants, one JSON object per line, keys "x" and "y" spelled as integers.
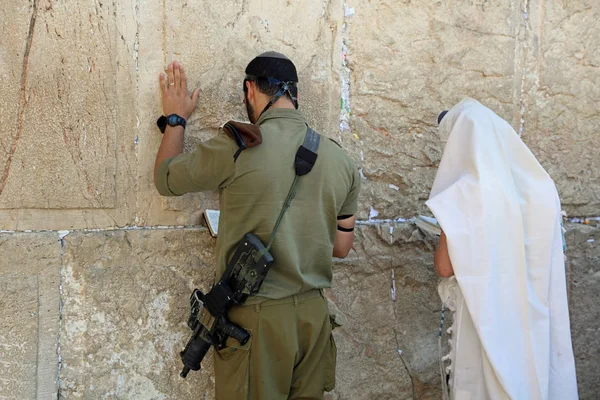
{"x": 291, "y": 354}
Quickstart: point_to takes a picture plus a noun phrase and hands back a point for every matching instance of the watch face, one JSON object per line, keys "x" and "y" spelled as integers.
{"x": 173, "y": 120}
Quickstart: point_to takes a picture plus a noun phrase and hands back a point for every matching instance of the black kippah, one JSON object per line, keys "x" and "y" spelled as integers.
{"x": 273, "y": 65}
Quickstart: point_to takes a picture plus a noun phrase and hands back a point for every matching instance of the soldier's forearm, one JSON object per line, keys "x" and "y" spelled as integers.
{"x": 171, "y": 145}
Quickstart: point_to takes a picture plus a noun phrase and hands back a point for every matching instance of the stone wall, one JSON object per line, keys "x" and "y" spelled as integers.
{"x": 96, "y": 267}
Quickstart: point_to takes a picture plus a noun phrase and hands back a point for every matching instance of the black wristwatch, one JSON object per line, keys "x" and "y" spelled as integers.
{"x": 171, "y": 120}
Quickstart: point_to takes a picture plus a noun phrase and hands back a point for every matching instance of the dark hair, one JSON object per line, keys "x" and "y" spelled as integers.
{"x": 263, "y": 86}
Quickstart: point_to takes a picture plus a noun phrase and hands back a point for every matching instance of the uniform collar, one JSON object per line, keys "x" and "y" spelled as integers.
{"x": 287, "y": 113}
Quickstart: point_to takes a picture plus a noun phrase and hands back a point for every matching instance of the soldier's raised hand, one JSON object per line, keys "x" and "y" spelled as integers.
{"x": 175, "y": 96}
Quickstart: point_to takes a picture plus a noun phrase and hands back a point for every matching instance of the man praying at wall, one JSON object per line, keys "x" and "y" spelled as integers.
{"x": 502, "y": 247}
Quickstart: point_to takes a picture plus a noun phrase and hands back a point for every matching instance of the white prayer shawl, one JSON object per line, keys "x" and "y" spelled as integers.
{"x": 501, "y": 214}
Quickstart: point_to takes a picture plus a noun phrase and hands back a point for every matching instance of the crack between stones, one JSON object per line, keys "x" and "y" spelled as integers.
{"x": 60, "y": 314}
{"x": 412, "y": 382}
{"x": 367, "y": 222}
{"x": 136, "y": 48}
{"x": 37, "y": 356}
{"x": 393, "y": 298}
{"x": 164, "y": 32}
{"x": 239, "y": 14}
{"x": 115, "y": 110}
{"x": 23, "y": 97}
{"x": 66, "y": 232}
{"x": 398, "y": 349}
{"x": 344, "y": 118}
{"x": 522, "y": 99}
{"x": 136, "y": 42}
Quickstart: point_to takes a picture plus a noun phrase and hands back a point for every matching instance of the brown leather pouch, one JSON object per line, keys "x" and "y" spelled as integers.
{"x": 244, "y": 135}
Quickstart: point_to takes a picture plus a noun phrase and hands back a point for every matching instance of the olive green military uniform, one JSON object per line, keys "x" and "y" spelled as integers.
{"x": 291, "y": 353}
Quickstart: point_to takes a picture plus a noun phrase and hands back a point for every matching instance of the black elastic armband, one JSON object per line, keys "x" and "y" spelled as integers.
{"x": 342, "y": 229}
{"x": 340, "y": 217}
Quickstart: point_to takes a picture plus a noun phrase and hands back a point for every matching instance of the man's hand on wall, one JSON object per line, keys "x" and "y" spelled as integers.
{"x": 175, "y": 96}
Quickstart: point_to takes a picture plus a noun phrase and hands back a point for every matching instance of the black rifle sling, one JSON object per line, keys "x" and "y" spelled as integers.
{"x": 306, "y": 157}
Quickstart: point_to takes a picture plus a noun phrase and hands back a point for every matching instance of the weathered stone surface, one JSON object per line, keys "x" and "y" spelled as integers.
{"x": 562, "y": 98}
{"x": 125, "y": 303}
{"x": 15, "y": 20}
{"x": 409, "y": 61}
{"x": 69, "y": 143}
{"x": 80, "y": 94}
{"x": 79, "y": 97}
{"x": 29, "y": 315}
{"x": 225, "y": 37}
{"x": 68, "y": 89}
{"x": 361, "y": 296}
{"x": 125, "y": 296}
{"x": 583, "y": 261}
{"x": 383, "y": 352}
{"x": 125, "y": 293}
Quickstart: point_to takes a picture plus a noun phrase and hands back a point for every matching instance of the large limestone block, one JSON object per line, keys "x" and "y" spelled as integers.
{"x": 408, "y": 61}
{"x": 29, "y": 315}
{"x": 562, "y": 98}
{"x": 126, "y": 303}
{"x": 215, "y": 41}
{"x": 65, "y": 131}
{"x": 384, "y": 295}
{"x": 583, "y": 261}
{"x": 66, "y": 93}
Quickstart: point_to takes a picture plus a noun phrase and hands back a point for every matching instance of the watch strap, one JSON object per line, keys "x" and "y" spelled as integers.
{"x": 163, "y": 121}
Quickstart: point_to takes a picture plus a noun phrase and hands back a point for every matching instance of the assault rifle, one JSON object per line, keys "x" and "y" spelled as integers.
{"x": 208, "y": 317}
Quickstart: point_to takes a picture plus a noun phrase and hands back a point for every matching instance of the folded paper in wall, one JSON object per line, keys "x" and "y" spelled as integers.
{"x": 428, "y": 225}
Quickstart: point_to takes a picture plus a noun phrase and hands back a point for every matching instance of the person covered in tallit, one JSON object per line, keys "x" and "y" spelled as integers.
{"x": 501, "y": 247}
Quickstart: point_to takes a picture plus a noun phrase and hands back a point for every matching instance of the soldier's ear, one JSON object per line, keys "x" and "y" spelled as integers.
{"x": 251, "y": 90}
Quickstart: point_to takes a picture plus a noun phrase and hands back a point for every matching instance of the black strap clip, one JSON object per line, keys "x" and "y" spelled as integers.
{"x": 306, "y": 156}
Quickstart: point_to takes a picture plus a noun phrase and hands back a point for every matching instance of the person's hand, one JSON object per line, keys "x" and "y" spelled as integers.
{"x": 175, "y": 96}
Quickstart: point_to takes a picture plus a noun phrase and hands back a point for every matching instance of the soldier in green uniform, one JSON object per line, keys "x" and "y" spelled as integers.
{"x": 291, "y": 354}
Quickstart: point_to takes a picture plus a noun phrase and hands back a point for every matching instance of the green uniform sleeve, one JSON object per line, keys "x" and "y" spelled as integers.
{"x": 209, "y": 167}
{"x": 350, "y": 206}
